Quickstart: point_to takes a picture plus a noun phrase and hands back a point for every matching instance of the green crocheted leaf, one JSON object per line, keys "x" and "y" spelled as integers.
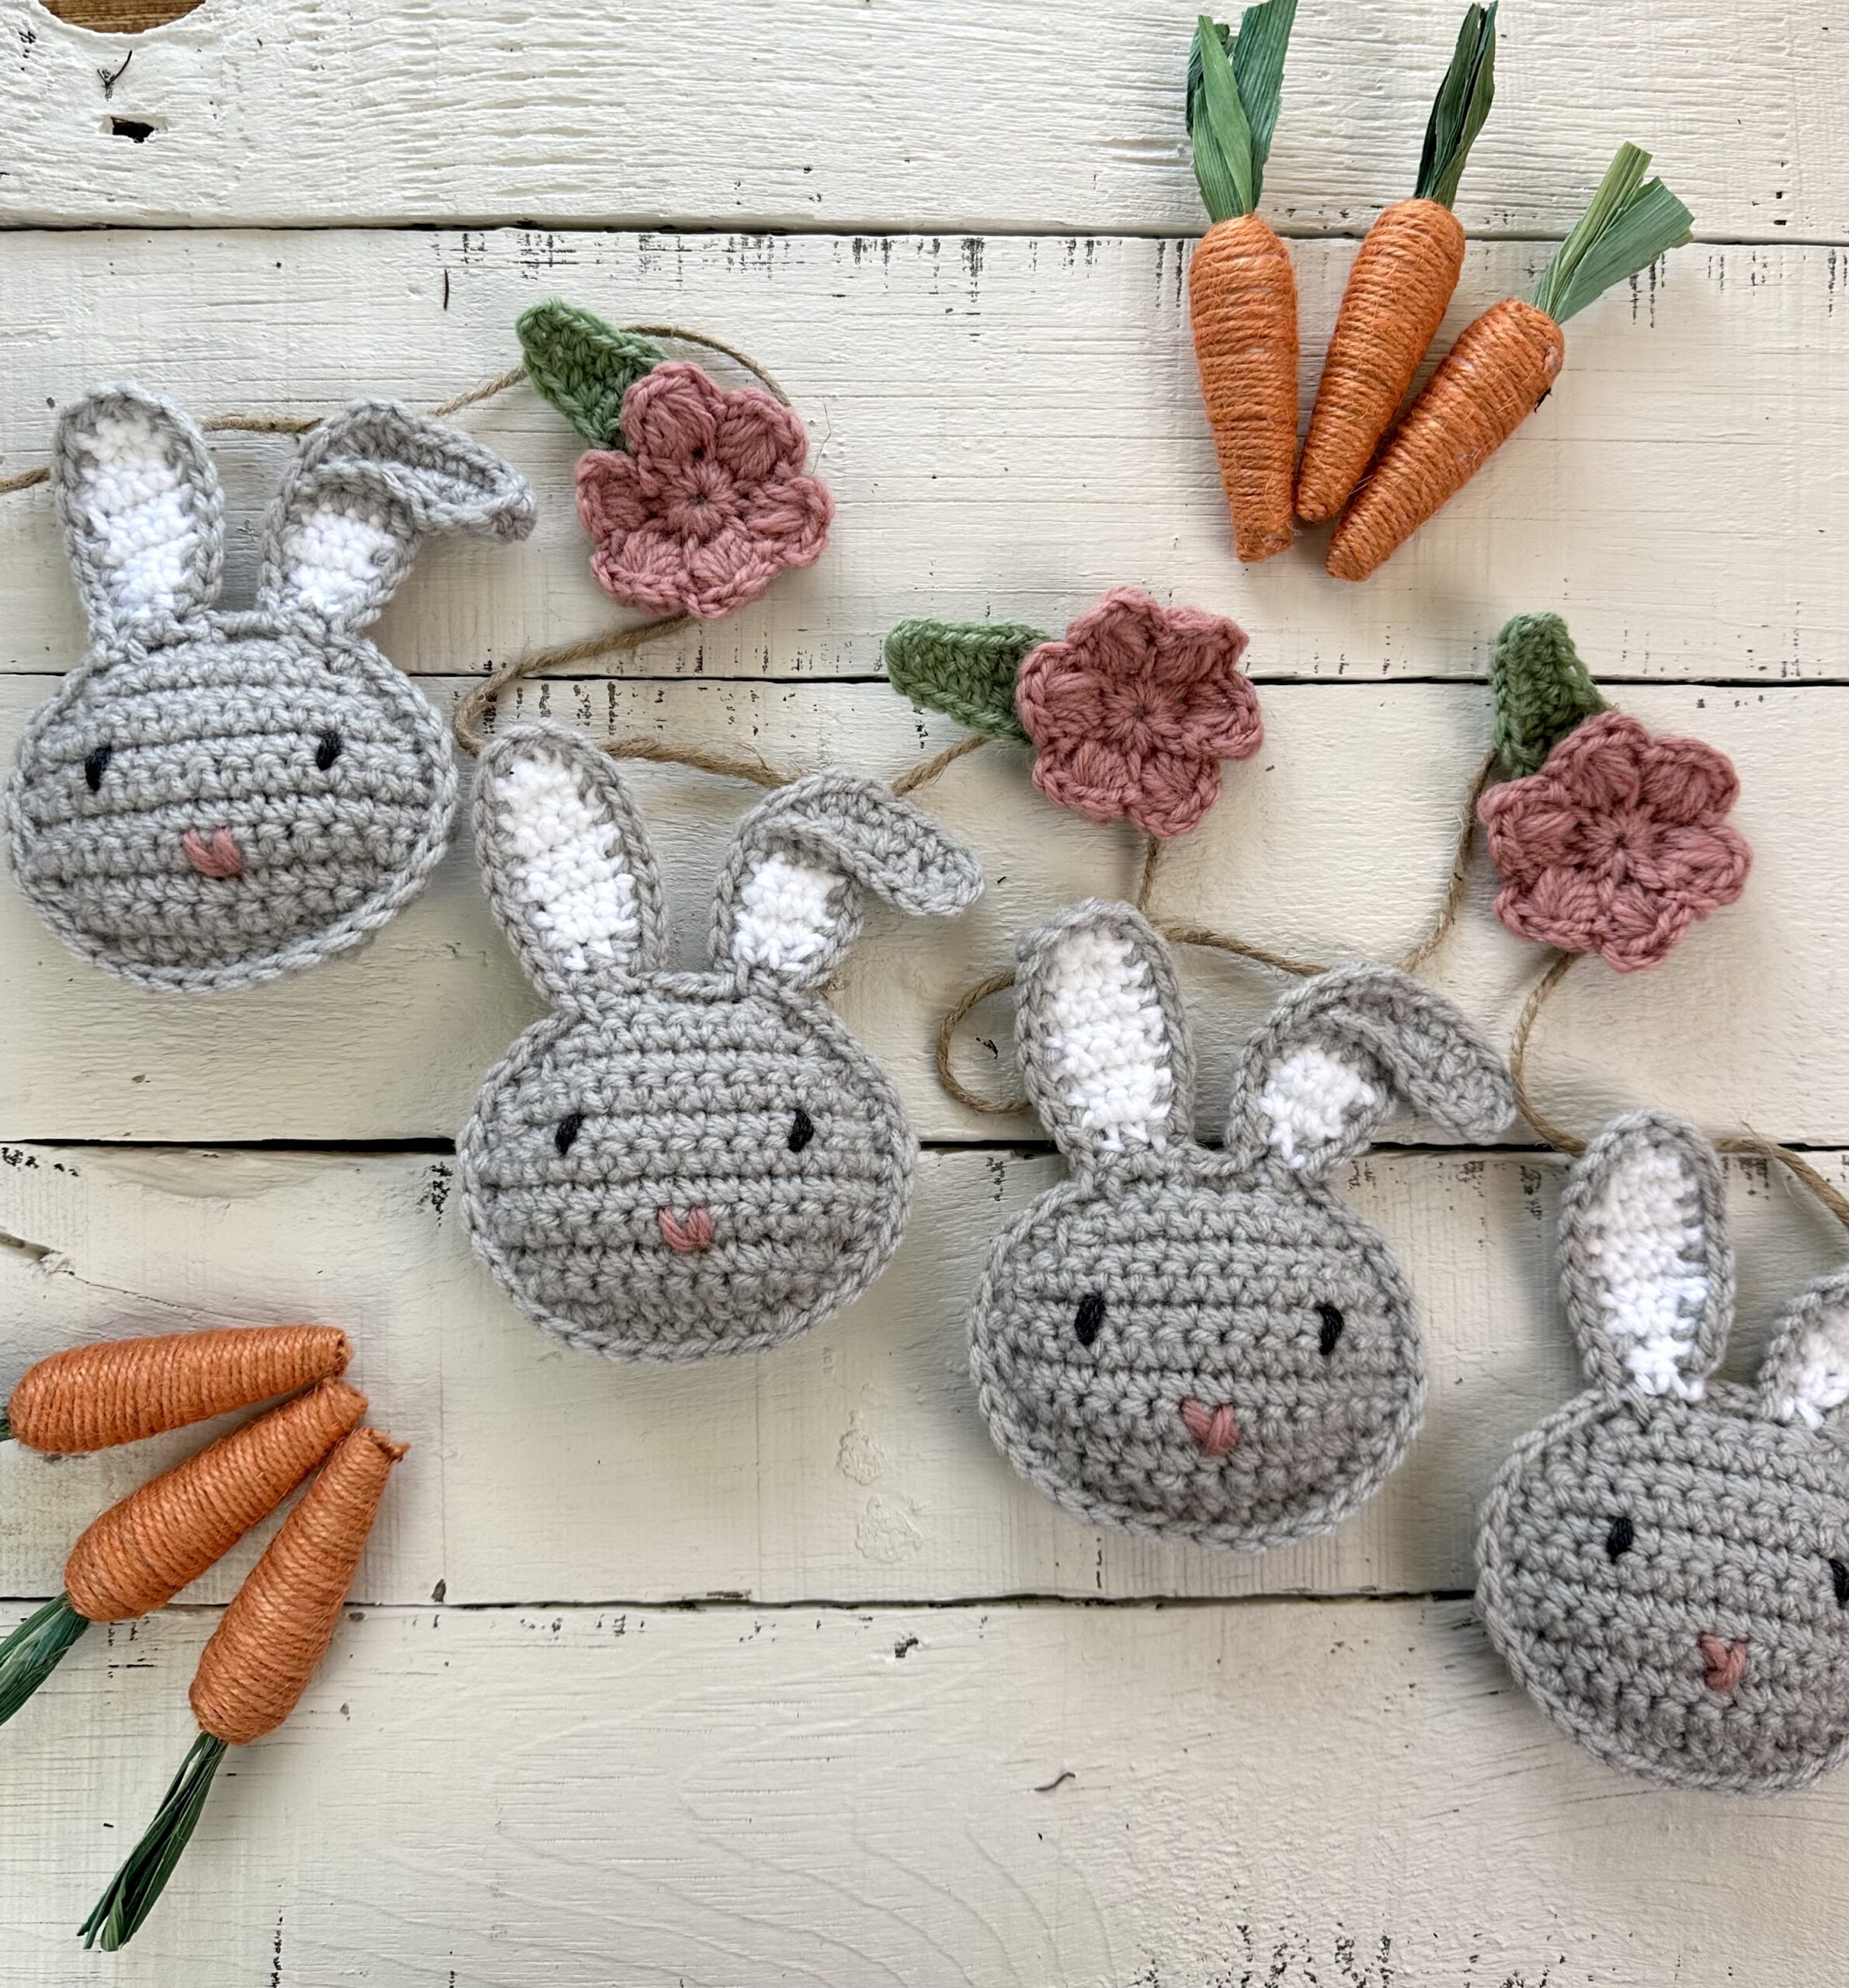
{"x": 584, "y": 366}
{"x": 965, "y": 670}
{"x": 1542, "y": 691}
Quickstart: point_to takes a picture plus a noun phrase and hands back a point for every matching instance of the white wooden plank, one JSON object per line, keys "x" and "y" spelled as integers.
{"x": 1010, "y": 426}
{"x": 851, "y": 1465}
{"x": 1334, "y": 840}
{"x": 1005, "y": 1796}
{"x": 920, "y": 113}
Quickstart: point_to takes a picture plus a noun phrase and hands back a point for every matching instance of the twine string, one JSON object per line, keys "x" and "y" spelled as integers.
{"x": 1752, "y": 1144}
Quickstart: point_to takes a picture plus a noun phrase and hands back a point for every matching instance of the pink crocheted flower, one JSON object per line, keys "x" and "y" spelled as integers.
{"x": 1134, "y": 712}
{"x": 708, "y": 503}
{"x": 1618, "y": 843}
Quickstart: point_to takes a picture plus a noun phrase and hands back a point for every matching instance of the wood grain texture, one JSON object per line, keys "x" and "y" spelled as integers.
{"x": 1346, "y": 1796}
{"x": 1010, "y": 426}
{"x": 934, "y": 113}
{"x": 851, "y": 1465}
{"x": 1334, "y": 841}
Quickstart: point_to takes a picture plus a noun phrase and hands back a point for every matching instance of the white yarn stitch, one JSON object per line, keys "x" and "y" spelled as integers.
{"x": 139, "y": 510}
{"x": 785, "y": 916}
{"x": 1645, "y": 1240}
{"x": 568, "y": 865}
{"x": 1105, "y": 1031}
{"x": 1311, "y": 1098}
{"x": 1820, "y": 1381}
{"x": 332, "y": 558}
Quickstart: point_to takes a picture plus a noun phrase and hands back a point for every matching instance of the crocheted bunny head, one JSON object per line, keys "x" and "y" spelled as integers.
{"x": 212, "y": 799}
{"x": 1665, "y": 1561}
{"x": 1211, "y": 1344}
{"x": 676, "y": 1164}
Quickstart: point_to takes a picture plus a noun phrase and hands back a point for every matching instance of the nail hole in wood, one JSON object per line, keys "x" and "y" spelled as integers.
{"x": 130, "y": 127}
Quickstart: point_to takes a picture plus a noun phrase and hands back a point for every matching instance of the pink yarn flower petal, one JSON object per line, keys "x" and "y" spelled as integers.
{"x": 1687, "y": 784}
{"x": 1172, "y": 793}
{"x": 672, "y": 412}
{"x": 610, "y": 501}
{"x": 1119, "y": 636}
{"x": 1223, "y": 718}
{"x": 758, "y": 437}
{"x": 1706, "y": 867}
{"x": 1095, "y": 783}
{"x": 1598, "y": 766}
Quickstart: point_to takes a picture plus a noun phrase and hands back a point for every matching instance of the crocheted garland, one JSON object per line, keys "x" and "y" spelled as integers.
{"x": 694, "y": 493}
{"x": 1130, "y": 715}
{"x": 675, "y": 1164}
{"x": 1209, "y": 1344}
{"x": 1664, "y": 1561}
{"x": 214, "y": 798}
{"x": 1607, "y": 839}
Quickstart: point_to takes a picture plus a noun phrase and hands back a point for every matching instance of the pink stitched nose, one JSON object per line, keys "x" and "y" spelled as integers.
{"x": 1726, "y": 1662}
{"x": 219, "y": 858}
{"x": 688, "y": 1237}
{"x": 1214, "y": 1429}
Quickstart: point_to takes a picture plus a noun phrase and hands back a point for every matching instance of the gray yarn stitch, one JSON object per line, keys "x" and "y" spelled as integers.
{"x": 1739, "y": 1522}
{"x": 685, "y": 1087}
{"x": 1211, "y": 1267}
{"x": 214, "y": 722}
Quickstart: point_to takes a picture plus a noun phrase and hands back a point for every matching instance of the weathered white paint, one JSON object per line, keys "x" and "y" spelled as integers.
{"x": 930, "y": 114}
{"x": 1010, "y": 426}
{"x": 852, "y": 1466}
{"x": 1347, "y": 1795}
{"x": 1335, "y": 840}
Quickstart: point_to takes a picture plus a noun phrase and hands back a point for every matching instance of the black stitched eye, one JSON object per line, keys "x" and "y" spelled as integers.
{"x": 328, "y": 750}
{"x": 1088, "y": 1321}
{"x": 1620, "y": 1536}
{"x": 802, "y": 1129}
{"x": 569, "y": 1127}
{"x": 94, "y": 763}
{"x": 1332, "y": 1322}
{"x": 1838, "y": 1579}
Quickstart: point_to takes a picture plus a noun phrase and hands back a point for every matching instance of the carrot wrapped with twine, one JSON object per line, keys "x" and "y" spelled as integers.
{"x": 1242, "y": 295}
{"x": 258, "y": 1661}
{"x": 1399, "y": 288}
{"x": 146, "y": 1547}
{"x": 94, "y": 1397}
{"x": 1503, "y": 366}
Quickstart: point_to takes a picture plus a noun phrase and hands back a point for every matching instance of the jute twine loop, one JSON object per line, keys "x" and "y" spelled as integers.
{"x": 147, "y": 1547}
{"x": 93, "y": 1397}
{"x": 279, "y": 1624}
{"x": 1558, "y": 1136}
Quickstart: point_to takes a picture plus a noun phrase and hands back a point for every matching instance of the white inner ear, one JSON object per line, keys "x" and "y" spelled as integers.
{"x": 1646, "y": 1244}
{"x": 568, "y": 867}
{"x": 1105, "y": 1036}
{"x": 785, "y": 916}
{"x": 1312, "y": 1099}
{"x": 331, "y": 558}
{"x": 139, "y": 505}
{"x": 1819, "y": 1380}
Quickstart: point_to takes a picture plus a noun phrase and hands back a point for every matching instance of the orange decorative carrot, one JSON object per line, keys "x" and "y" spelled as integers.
{"x": 149, "y": 1545}
{"x": 94, "y": 1397}
{"x": 1399, "y": 288}
{"x": 1503, "y": 366}
{"x": 1242, "y": 295}
{"x": 259, "y": 1661}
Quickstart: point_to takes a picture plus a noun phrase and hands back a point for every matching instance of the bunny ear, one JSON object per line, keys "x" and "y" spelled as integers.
{"x": 142, "y": 513}
{"x": 1645, "y": 1265}
{"x": 787, "y": 898}
{"x": 1335, "y": 1053}
{"x": 368, "y": 483}
{"x": 566, "y": 862}
{"x": 1806, "y": 1375}
{"x": 1100, "y": 1032}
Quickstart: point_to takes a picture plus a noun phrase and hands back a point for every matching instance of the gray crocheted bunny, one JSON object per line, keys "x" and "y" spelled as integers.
{"x": 678, "y": 1164}
{"x": 1210, "y": 1345}
{"x": 211, "y": 798}
{"x": 1664, "y": 1561}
